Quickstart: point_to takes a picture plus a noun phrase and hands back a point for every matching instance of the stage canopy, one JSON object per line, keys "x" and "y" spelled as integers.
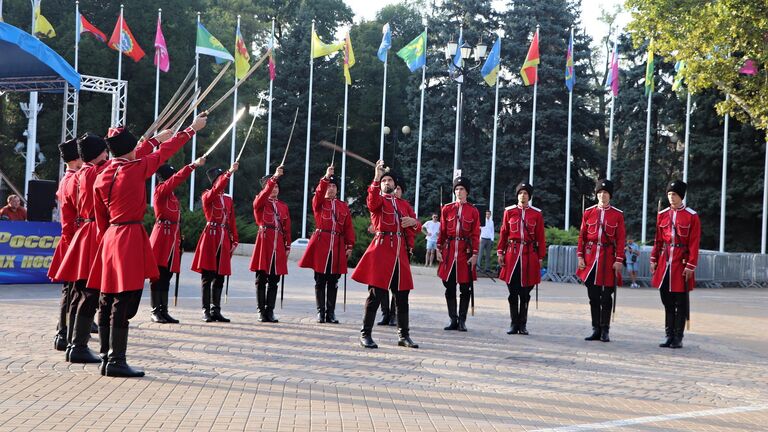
{"x": 30, "y": 65}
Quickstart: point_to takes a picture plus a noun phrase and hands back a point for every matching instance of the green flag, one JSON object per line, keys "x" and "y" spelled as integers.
{"x": 649, "y": 70}
{"x": 679, "y": 66}
{"x": 415, "y": 53}
{"x": 209, "y": 45}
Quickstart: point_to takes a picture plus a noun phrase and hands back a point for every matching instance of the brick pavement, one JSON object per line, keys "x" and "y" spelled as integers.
{"x": 298, "y": 375}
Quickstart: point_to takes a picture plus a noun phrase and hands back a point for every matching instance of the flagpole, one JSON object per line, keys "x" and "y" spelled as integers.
{"x": 234, "y": 117}
{"x": 309, "y": 129}
{"x": 495, "y": 132}
{"x": 533, "y": 119}
{"x": 456, "y": 155}
{"x": 724, "y": 180}
{"x": 610, "y": 139}
{"x": 568, "y": 157}
{"x": 765, "y": 198}
{"x": 383, "y": 107}
{"x": 344, "y": 143}
{"x": 687, "y": 136}
{"x": 269, "y": 116}
{"x": 194, "y": 137}
{"x": 421, "y": 126}
{"x": 120, "y": 49}
{"x": 77, "y": 34}
{"x": 645, "y": 169}
{"x": 157, "y": 102}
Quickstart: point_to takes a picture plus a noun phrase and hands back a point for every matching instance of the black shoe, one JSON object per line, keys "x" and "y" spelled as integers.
{"x": 523, "y": 331}
{"x": 604, "y": 335}
{"x": 169, "y": 319}
{"x": 405, "y": 341}
{"x": 103, "y": 348}
{"x": 271, "y": 317}
{"x": 218, "y": 317}
{"x": 331, "y": 318}
{"x": 594, "y": 336}
{"x": 80, "y": 354}
{"x": 676, "y": 343}
{"x": 116, "y": 364}
{"x": 513, "y": 329}
{"x": 392, "y": 320}
{"x": 261, "y": 317}
{"x": 320, "y": 318}
{"x": 207, "y": 316}
{"x": 164, "y": 308}
{"x": 462, "y": 326}
{"x": 121, "y": 369}
{"x": 668, "y": 341}
{"x": 157, "y": 317}
{"x": 366, "y": 341}
{"x": 384, "y": 320}
{"x": 60, "y": 343}
{"x": 94, "y": 328}
{"x": 453, "y": 325}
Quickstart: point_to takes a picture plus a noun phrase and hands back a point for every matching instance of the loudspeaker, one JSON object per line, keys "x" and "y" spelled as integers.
{"x": 41, "y": 200}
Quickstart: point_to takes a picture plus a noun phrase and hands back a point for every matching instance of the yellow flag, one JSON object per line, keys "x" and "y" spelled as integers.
{"x": 349, "y": 58}
{"x": 42, "y": 27}
{"x": 322, "y": 49}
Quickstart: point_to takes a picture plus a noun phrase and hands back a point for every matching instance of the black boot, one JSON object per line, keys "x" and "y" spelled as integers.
{"x": 70, "y": 331}
{"x": 216, "y": 306}
{"x": 157, "y": 308}
{"x": 514, "y": 314}
{"x": 330, "y": 303}
{"x": 450, "y": 302}
{"x": 463, "y": 308}
{"x": 604, "y": 334}
{"x": 164, "y": 303}
{"x": 523, "y": 318}
{"x": 595, "y": 334}
{"x": 403, "y": 333}
{"x": 386, "y": 313}
{"x": 669, "y": 318}
{"x": 80, "y": 353}
{"x": 206, "y": 297}
{"x": 678, "y": 329}
{"x": 261, "y": 299}
{"x": 320, "y": 301}
{"x": 271, "y": 300}
{"x": 94, "y": 328}
{"x": 103, "y": 348}
{"x": 116, "y": 364}
{"x": 366, "y": 341}
{"x": 60, "y": 340}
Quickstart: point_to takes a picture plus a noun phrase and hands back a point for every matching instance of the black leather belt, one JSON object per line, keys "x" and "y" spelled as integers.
{"x": 216, "y": 225}
{"x": 389, "y": 233}
{"x": 677, "y": 245}
{"x": 466, "y": 239}
{"x": 600, "y": 244}
{"x": 126, "y": 223}
{"x": 85, "y": 220}
{"x": 165, "y": 222}
{"x": 328, "y": 231}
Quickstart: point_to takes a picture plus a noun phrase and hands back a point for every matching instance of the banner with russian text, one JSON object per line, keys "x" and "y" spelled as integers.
{"x": 26, "y": 251}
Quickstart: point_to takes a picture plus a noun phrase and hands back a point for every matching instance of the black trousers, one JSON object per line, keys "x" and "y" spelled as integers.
{"x": 66, "y": 292}
{"x": 87, "y": 301}
{"x": 162, "y": 283}
{"x": 212, "y": 282}
{"x": 266, "y": 288}
{"x": 600, "y": 301}
{"x": 326, "y": 287}
{"x": 519, "y": 296}
{"x": 675, "y": 307}
{"x": 377, "y": 295}
{"x": 465, "y": 290}
{"x": 115, "y": 310}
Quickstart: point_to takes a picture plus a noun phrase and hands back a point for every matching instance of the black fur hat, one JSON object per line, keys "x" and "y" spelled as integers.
{"x": 122, "y": 142}
{"x": 526, "y": 187}
{"x": 213, "y": 174}
{"x": 604, "y": 185}
{"x": 68, "y": 150}
{"x": 166, "y": 171}
{"x": 462, "y": 181}
{"x": 679, "y": 187}
{"x": 90, "y": 146}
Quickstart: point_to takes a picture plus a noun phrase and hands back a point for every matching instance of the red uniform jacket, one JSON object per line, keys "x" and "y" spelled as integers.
{"x": 333, "y": 236}
{"x": 678, "y": 232}
{"x": 410, "y": 234}
{"x": 18, "y": 215}
{"x": 66, "y": 195}
{"x": 124, "y": 258}
{"x": 274, "y": 239}
{"x": 522, "y": 243}
{"x": 389, "y": 247}
{"x": 166, "y": 234}
{"x": 219, "y": 237}
{"x": 601, "y": 244}
{"x": 458, "y": 240}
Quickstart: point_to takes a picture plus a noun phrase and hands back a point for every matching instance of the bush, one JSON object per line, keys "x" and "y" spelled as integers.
{"x": 557, "y": 236}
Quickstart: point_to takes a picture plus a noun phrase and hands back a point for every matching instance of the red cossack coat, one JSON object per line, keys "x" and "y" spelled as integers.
{"x": 676, "y": 247}
{"x": 67, "y": 196}
{"x": 601, "y": 244}
{"x": 522, "y": 243}
{"x": 273, "y": 242}
{"x": 124, "y": 259}
{"x": 219, "y": 237}
{"x": 166, "y": 234}
{"x": 389, "y": 247}
{"x": 333, "y": 236}
{"x": 458, "y": 240}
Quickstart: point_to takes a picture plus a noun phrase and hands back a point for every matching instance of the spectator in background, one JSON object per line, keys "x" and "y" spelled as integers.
{"x": 487, "y": 235}
{"x": 13, "y": 211}
{"x": 631, "y": 253}
{"x": 431, "y": 229}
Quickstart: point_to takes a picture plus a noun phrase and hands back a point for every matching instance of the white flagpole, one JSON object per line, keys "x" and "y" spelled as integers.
{"x": 120, "y": 48}
{"x": 645, "y": 169}
{"x": 421, "y": 128}
{"x": 495, "y": 132}
{"x": 724, "y": 180}
{"x": 458, "y": 113}
{"x": 309, "y": 129}
{"x": 77, "y": 36}
{"x": 533, "y": 120}
{"x": 383, "y": 107}
{"x": 269, "y": 116}
{"x": 765, "y": 199}
{"x": 194, "y": 137}
{"x": 157, "y": 105}
{"x": 234, "y": 117}
{"x": 568, "y": 156}
{"x": 344, "y": 144}
{"x": 687, "y": 136}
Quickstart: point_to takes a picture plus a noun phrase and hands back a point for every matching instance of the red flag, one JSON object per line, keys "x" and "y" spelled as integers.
{"x": 529, "y": 71}
{"x": 272, "y": 64}
{"x": 85, "y": 27}
{"x": 162, "y": 60}
{"x": 128, "y": 44}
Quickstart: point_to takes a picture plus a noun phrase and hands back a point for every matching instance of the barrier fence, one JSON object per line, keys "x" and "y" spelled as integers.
{"x": 714, "y": 270}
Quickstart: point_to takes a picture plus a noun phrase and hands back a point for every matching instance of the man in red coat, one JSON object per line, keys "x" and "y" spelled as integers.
{"x": 384, "y": 265}
{"x": 166, "y": 236}
{"x": 273, "y": 244}
{"x": 601, "y": 257}
{"x": 457, "y": 246}
{"x": 65, "y": 195}
{"x": 330, "y": 246}
{"x": 522, "y": 247}
{"x": 674, "y": 258}
{"x": 124, "y": 259}
{"x": 213, "y": 254}
{"x": 13, "y": 212}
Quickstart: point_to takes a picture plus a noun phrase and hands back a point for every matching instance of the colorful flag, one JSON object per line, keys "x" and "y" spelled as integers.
{"x": 490, "y": 70}
{"x": 322, "y": 49}
{"x": 208, "y": 45}
{"x": 649, "y": 70}
{"x": 749, "y": 67}
{"x": 386, "y": 43}
{"x": 530, "y": 69}
{"x": 679, "y": 66}
{"x": 272, "y": 71}
{"x": 83, "y": 26}
{"x": 162, "y": 59}
{"x": 415, "y": 53}
{"x": 570, "y": 75}
{"x": 242, "y": 60}
{"x": 613, "y": 71}
{"x": 125, "y": 42}
{"x": 349, "y": 58}
{"x": 41, "y": 27}
{"x": 453, "y": 67}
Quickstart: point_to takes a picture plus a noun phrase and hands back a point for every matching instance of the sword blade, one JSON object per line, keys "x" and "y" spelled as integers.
{"x": 290, "y": 136}
{"x": 203, "y": 95}
{"x": 239, "y": 82}
{"x": 173, "y": 101}
{"x": 226, "y": 132}
{"x": 178, "y": 107}
{"x": 353, "y": 155}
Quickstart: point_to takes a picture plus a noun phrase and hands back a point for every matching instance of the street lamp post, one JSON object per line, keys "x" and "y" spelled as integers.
{"x": 405, "y": 130}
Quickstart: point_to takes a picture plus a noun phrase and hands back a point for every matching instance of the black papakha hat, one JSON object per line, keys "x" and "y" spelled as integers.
{"x": 462, "y": 181}
{"x": 213, "y": 174}
{"x": 90, "y": 146}
{"x": 121, "y": 143}
{"x": 394, "y": 177}
{"x": 68, "y": 150}
{"x": 335, "y": 180}
{"x": 524, "y": 187}
{"x": 604, "y": 184}
{"x": 679, "y": 187}
{"x": 166, "y": 171}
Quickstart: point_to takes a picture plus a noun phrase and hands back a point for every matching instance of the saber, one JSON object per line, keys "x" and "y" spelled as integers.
{"x": 345, "y": 292}
{"x": 178, "y": 107}
{"x": 282, "y": 290}
{"x": 336, "y": 138}
{"x": 248, "y": 134}
{"x": 239, "y": 82}
{"x": 290, "y": 136}
{"x": 204, "y": 93}
{"x": 537, "y": 296}
{"x": 176, "y": 292}
{"x": 615, "y": 297}
{"x": 471, "y": 290}
{"x": 173, "y": 102}
{"x": 171, "y": 121}
{"x": 226, "y": 132}
{"x": 353, "y": 155}
{"x": 226, "y": 291}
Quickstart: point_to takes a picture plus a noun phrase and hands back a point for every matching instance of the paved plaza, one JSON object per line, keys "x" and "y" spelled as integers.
{"x": 298, "y": 375}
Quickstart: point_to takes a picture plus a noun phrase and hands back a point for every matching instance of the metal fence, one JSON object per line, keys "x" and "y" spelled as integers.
{"x": 714, "y": 270}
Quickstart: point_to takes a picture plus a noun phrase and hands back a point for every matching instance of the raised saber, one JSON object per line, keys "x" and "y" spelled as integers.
{"x": 335, "y": 138}
{"x": 178, "y": 107}
{"x": 290, "y": 136}
{"x": 226, "y": 132}
{"x": 239, "y": 82}
{"x": 248, "y": 134}
{"x": 205, "y": 93}
{"x": 353, "y": 155}
{"x": 173, "y": 102}
{"x": 171, "y": 120}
